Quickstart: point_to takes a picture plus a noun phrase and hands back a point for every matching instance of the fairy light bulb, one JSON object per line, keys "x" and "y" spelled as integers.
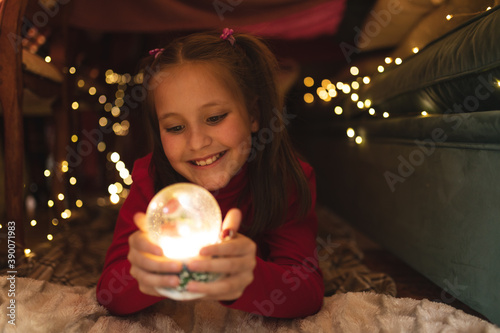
{"x": 114, "y": 198}
{"x": 182, "y": 218}
{"x": 115, "y": 157}
{"x": 350, "y": 132}
{"x": 308, "y": 98}
{"x": 308, "y": 81}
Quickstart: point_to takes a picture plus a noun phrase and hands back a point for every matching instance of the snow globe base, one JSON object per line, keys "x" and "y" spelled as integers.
{"x": 180, "y": 293}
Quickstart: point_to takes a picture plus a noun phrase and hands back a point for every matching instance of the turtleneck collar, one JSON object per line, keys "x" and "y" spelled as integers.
{"x": 236, "y": 184}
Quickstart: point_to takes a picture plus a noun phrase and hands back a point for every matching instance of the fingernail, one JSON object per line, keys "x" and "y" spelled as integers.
{"x": 191, "y": 287}
{"x": 174, "y": 266}
{"x": 226, "y": 234}
{"x": 158, "y": 251}
{"x": 174, "y": 281}
{"x": 194, "y": 265}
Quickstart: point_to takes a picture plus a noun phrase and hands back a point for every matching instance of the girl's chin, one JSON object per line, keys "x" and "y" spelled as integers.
{"x": 213, "y": 184}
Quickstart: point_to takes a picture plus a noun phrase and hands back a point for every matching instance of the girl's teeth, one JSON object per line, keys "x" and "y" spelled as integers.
{"x": 208, "y": 161}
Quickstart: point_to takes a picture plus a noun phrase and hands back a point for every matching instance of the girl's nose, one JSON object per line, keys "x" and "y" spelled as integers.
{"x": 199, "y": 139}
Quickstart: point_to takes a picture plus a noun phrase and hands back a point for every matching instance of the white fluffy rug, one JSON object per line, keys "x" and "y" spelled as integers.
{"x": 42, "y": 306}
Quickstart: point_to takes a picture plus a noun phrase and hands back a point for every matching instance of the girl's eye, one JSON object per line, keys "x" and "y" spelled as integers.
{"x": 216, "y": 119}
{"x": 175, "y": 129}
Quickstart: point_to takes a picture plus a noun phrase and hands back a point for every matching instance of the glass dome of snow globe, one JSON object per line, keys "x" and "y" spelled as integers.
{"x": 182, "y": 218}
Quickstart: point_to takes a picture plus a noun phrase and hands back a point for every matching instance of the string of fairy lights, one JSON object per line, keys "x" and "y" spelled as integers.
{"x": 328, "y": 91}
{"x": 117, "y": 191}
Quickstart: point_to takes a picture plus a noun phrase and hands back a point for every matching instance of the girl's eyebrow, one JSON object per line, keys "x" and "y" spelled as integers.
{"x": 166, "y": 115}
{"x": 213, "y": 103}
{"x": 204, "y": 106}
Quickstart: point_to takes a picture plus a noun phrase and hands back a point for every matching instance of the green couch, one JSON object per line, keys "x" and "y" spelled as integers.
{"x": 428, "y": 187}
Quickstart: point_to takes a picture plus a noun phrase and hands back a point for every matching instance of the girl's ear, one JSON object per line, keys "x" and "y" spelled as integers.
{"x": 254, "y": 125}
{"x": 254, "y": 117}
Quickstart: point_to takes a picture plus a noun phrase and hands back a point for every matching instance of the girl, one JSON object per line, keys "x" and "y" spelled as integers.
{"x": 218, "y": 121}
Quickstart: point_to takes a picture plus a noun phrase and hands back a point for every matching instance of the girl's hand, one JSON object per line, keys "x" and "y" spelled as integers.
{"x": 148, "y": 265}
{"x": 235, "y": 258}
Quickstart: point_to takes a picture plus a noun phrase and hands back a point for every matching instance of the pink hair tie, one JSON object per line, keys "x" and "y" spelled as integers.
{"x": 227, "y": 34}
{"x": 156, "y": 52}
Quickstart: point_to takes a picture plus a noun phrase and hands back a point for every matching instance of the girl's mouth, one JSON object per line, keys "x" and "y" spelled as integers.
{"x": 209, "y": 160}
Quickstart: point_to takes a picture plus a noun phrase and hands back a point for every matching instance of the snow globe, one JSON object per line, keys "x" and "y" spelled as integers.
{"x": 182, "y": 218}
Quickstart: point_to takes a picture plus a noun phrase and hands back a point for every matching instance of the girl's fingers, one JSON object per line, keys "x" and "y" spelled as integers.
{"x": 149, "y": 281}
{"x": 227, "y": 288}
{"x": 140, "y": 241}
{"x": 140, "y": 221}
{"x": 152, "y": 263}
{"x": 231, "y": 265}
{"x": 232, "y": 220}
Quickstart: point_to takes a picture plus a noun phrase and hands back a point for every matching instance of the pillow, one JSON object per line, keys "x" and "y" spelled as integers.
{"x": 389, "y": 21}
{"x": 439, "y": 21}
{"x": 458, "y": 72}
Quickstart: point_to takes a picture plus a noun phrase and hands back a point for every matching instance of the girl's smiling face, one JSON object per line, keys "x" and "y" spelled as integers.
{"x": 205, "y": 128}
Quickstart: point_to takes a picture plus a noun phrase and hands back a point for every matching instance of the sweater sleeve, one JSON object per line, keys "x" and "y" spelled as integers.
{"x": 117, "y": 290}
{"x": 289, "y": 283}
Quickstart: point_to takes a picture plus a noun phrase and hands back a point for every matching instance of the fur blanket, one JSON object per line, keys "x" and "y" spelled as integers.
{"x": 43, "y": 306}
{"x": 55, "y": 292}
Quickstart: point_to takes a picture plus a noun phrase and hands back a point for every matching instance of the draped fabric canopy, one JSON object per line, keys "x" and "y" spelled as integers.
{"x": 286, "y": 19}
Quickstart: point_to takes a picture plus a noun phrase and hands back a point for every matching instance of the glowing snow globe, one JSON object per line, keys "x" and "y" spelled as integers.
{"x": 182, "y": 218}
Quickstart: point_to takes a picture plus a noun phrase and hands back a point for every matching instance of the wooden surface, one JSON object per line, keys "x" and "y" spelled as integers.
{"x": 11, "y": 99}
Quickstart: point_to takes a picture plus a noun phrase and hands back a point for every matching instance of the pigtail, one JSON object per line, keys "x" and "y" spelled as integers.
{"x": 274, "y": 172}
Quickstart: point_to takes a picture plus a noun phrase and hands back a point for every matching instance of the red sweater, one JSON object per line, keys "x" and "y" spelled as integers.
{"x": 287, "y": 279}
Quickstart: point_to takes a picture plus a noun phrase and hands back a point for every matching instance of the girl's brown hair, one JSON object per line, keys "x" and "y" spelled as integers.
{"x": 273, "y": 169}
